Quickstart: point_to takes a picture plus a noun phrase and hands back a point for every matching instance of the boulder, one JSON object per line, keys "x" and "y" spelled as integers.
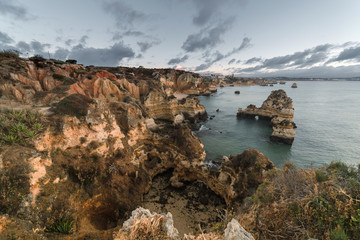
{"x": 234, "y": 231}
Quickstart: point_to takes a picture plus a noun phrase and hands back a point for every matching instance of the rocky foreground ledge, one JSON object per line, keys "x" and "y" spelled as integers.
{"x": 279, "y": 110}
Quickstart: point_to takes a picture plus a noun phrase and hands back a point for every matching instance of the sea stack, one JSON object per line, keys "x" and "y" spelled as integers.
{"x": 279, "y": 110}
{"x": 294, "y": 85}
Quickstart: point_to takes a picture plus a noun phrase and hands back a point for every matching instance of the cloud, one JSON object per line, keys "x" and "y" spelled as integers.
{"x": 208, "y": 37}
{"x": 123, "y": 14}
{"x": 9, "y": 8}
{"x": 231, "y": 61}
{"x": 83, "y": 39}
{"x": 101, "y": 56}
{"x": 144, "y": 46}
{"x": 37, "y": 46}
{"x": 253, "y": 60}
{"x": 61, "y": 53}
{"x": 314, "y": 72}
{"x": 217, "y": 56}
{"x": 5, "y": 39}
{"x": 34, "y": 47}
{"x": 133, "y": 33}
{"x": 178, "y": 60}
{"x": 206, "y": 10}
{"x": 305, "y": 59}
{"x": 352, "y": 53}
{"x": 69, "y": 42}
{"x": 23, "y": 47}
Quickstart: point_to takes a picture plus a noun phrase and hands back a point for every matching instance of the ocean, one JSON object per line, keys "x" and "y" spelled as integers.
{"x": 327, "y": 115}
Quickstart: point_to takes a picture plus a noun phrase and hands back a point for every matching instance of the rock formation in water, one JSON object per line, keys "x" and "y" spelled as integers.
{"x": 103, "y": 135}
{"x": 279, "y": 110}
{"x": 294, "y": 85}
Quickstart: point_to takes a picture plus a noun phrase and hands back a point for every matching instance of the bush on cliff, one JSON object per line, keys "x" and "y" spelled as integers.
{"x": 73, "y": 105}
{"x": 298, "y": 204}
{"x": 14, "y": 185}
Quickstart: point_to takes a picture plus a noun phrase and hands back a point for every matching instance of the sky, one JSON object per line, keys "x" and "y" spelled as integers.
{"x": 248, "y": 38}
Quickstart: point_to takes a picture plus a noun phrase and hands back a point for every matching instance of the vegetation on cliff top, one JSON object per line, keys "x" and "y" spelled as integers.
{"x": 299, "y": 204}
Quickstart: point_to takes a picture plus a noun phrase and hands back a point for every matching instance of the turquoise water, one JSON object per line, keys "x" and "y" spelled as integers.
{"x": 327, "y": 115}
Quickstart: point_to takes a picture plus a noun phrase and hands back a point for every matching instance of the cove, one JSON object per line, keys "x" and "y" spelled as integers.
{"x": 326, "y": 114}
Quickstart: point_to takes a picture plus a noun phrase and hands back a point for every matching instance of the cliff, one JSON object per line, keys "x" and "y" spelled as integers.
{"x": 279, "y": 110}
{"x": 80, "y": 146}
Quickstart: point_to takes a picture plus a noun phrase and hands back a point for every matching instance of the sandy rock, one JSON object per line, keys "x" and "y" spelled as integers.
{"x": 178, "y": 119}
{"x": 279, "y": 110}
{"x": 140, "y": 212}
{"x": 234, "y": 231}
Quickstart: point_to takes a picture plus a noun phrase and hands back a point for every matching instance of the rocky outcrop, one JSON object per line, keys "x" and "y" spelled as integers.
{"x": 146, "y": 225}
{"x": 234, "y": 231}
{"x": 279, "y": 110}
{"x": 237, "y": 176}
{"x": 294, "y": 85}
{"x": 158, "y": 222}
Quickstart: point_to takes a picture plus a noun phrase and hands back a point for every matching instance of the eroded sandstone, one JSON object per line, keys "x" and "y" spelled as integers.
{"x": 279, "y": 110}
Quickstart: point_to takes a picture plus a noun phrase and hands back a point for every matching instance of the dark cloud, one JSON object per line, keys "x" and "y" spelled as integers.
{"x": 253, "y": 60}
{"x": 61, "y": 53}
{"x": 133, "y": 33}
{"x": 9, "y": 8}
{"x": 101, "y": 56}
{"x": 23, "y": 47}
{"x": 5, "y": 39}
{"x": 144, "y": 46}
{"x": 39, "y": 47}
{"x": 178, "y": 60}
{"x": 128, "y": 33}
{"x": 83, "y": 39}
{"x": 231, "y": 61}
{"x": 69, "y": 42}
{"x": 208, "y": 37}
{"x": 304, "y": 59}
{"x": 206, "y": 10}
{"x": 352, "y": 53}
{"x": 33, "y": 48}
{"x": 123, "y": 14}
{"x": 217, "y": 56}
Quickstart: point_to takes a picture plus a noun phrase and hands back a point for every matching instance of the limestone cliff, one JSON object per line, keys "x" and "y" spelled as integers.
{"x": 103, "y": 134}
{"x": 279, "y": 110}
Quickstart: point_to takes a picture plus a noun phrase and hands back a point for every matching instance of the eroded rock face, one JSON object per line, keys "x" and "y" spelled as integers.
{"x": 279, "y": 110}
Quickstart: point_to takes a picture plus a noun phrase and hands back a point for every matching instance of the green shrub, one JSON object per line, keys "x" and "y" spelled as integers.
{"x": 59, "y": 77}
{"x": 321, "y": 176}
{"x": 338, "y": 234}
{"x": 19, "y": 126}
{"x": 224, "y": 216}
{"x": 63, "y": 226}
